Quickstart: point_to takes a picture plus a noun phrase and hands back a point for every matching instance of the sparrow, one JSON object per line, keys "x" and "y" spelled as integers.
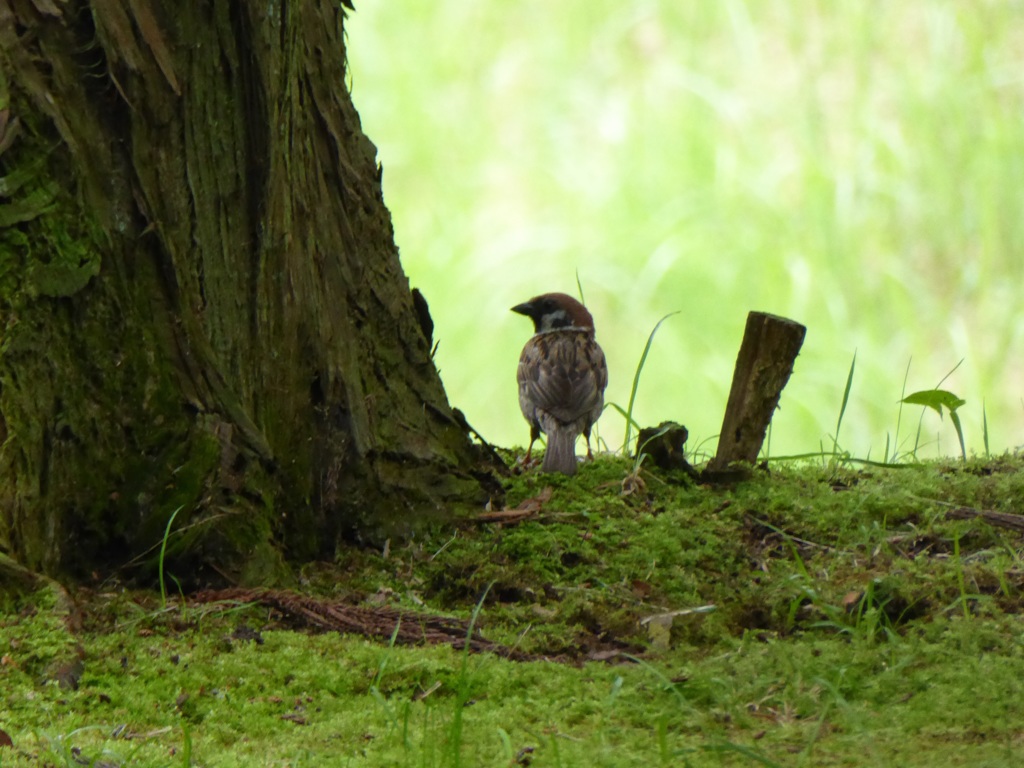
{"x": 562, "y": 377}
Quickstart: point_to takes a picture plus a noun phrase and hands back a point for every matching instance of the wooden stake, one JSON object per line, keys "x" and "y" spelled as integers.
{"x": 765, "y": 361}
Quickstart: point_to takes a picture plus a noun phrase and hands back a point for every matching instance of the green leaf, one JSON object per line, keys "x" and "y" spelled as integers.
{"x": 935, "y": 399}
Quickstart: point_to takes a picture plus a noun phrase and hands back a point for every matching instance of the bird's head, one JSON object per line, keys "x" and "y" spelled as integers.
{"x": 551, "y": 311}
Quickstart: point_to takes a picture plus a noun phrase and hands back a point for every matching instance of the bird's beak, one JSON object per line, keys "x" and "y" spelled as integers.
{"x": 526, "y": 308}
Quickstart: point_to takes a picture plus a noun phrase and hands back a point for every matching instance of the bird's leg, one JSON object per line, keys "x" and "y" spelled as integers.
{"x": 534, "y": 434}
{"x": 586, "y": 435}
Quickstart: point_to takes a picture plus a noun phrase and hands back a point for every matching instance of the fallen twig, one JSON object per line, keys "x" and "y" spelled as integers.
{"x": 407, "y": 627}
{"x": 998, "y": 519}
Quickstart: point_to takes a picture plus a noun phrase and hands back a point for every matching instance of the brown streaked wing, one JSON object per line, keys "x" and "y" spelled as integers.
{"x": 562, "y": 373}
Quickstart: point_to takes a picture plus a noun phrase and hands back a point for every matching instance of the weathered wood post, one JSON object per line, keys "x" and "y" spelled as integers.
{"x": 763, "y": 366}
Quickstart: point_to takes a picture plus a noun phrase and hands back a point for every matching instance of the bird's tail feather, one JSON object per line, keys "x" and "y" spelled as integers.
{"x": 560, "y": 455}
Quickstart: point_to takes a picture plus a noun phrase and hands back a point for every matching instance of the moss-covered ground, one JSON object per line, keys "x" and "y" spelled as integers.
{"x": 811, "y": 616}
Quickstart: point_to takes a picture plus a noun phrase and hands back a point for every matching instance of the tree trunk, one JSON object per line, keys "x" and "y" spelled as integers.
{"x": 202, "y": 306}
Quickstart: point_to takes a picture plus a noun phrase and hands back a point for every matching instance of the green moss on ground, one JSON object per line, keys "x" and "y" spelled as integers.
{"x": 852, "y": 624}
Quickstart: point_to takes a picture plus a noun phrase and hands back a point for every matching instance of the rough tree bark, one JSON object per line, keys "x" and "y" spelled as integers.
{"x": 202, "y": 304}
{"x": 763, "y": 366}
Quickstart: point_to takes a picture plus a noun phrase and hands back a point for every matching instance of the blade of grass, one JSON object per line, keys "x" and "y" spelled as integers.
{"x": 163, "y": 553}
{"x": 955, "y": 418}
{"x": 899, "y": 413}
{"x": 463, "y": 690}
{"x": 842, "y": 408}
{"x": 186, "y": 750}
{"x": 950, "y": 373}
{"x": 984, "y": 429}
{"x": 623, "y": 414}
{"x": 636, "y": 382}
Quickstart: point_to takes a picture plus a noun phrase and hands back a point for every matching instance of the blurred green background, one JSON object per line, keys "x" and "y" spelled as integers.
{"x": 856, "y": 166}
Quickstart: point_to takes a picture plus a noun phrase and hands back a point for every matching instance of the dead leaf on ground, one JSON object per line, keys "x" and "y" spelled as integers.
{"x": 850, "y": 600}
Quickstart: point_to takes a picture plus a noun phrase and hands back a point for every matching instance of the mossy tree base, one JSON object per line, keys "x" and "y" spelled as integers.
{"x": 209, "y": 315}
